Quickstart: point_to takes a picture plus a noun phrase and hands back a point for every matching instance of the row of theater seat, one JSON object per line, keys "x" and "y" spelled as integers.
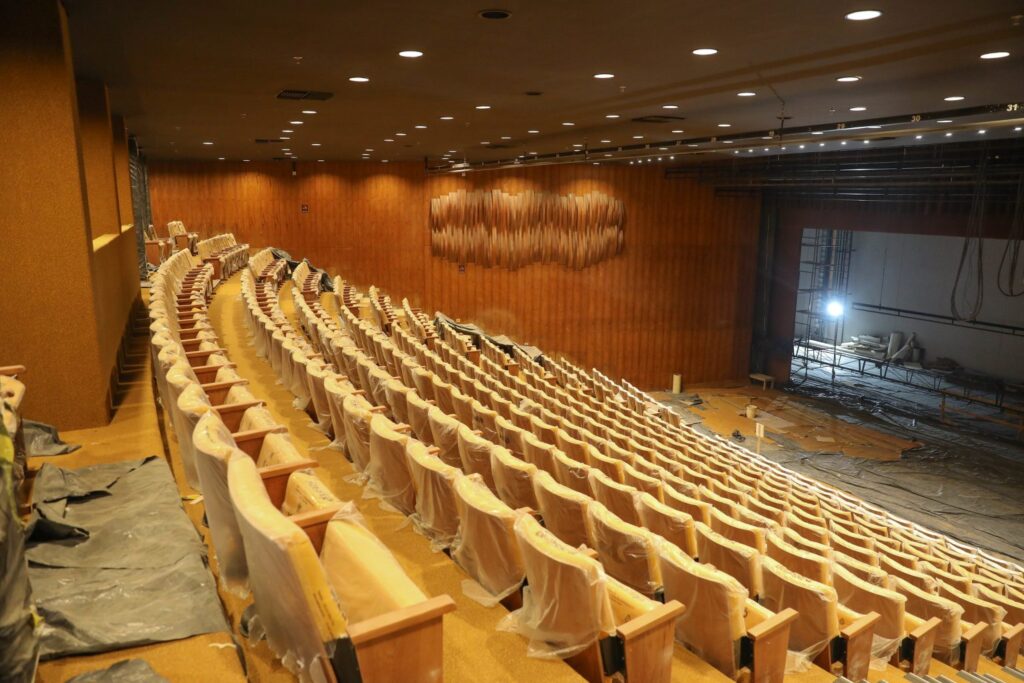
{"x": 275, "y": 527}
{"x": 223, "y": 254}
{"x": 990, "y": 632}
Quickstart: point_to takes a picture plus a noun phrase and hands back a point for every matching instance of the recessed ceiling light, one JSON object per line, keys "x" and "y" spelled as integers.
{"x": 1017, "y": 129}
{"x": 945, "y": 121}
{"x": 848, "y": 79}
{"x": 220, "y": 158}
{"x": 982, "y": 131}
{"x": 821, "y": 144}
{"x": 670, "y": 106}
{"x": 677, "y": 131}
{"x": 568, "y": 123}
{"x": 359, "y": 79}
{"x": 207, "y": 142}
{"x": 389, "y": 140}
{"x": 295, "y": 123}
{"x": 638, "y": 137}
{"x": 995, "y": 55}
{"x": 400, "y": 135}
{"x": 953, "y": 98}
{"x": 411, "y": 54}
{"x": 724, "y": 125}
{"x": 607, "y": 155}
{"x": 284, "y": 137}
{"x": 604, "y": 76}
{"x": 485, "y": 142}
{"x": 533, "y": 132}
{"x": 843, "y": 142}
{"x": 692, "y": 144}
{"x": 451, "y": 151}
{"x": 309, "y": 111}
{"x": 316, "y": 144}
{"x": 745, "y": 93}
{"x": 576, "y": 144}
{"x": 611, "y": 116}
{"x": 918, "y": 137}
{"x": 864, "y": 15}
{"x": 420, "y": 126}
{"x": 245, "y": 160}
{"x": 817, "y": 132}
{"x": 802, "y": 146}
{"x": 286, "y": 149}
{"x": 368, "y": 149}
{"x": 483, "y": 106}
{"x": 447, "y": 118}
{"x": 320, "y": 160}
{"x": 287, "y": 130}
{"x": 766, "y": 137}
{"x": 506, "y": 137}
{"x": 858, "y": 108}
{"x": 728, "y": 142}
{"x": 949, "y": 135}
{"x": 607, "y": 141}
{"x": 705, "y": 51}
{"x": 867, "y": 142}
{"x": 383, "y": 161}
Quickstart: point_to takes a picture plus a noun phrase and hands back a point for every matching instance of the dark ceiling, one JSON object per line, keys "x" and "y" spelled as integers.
{"x": 184, "y": 73}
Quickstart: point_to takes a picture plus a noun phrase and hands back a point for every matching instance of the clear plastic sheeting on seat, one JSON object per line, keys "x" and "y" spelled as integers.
{"x": 564, "y": 510}
{"x": 485, "y": 545}
{"x": 816, "y": 604}
{"x": 474, "y": 454}
{"x": 513, "y": 479}
{"x": 735, "y": 559}
{"x": 388, "y": 469}
{"x": 306, "y": 493}
{"x": 674, "y": 526}
{"x": 436, "y": 514}
{"x": 445, "y": 430}
{"x": 626, "y": 551}
{"x": 565, "y": 604}
{"x": 357, "y": 414}
{"x": 364, "y": 574}
{"x": 861, "y": 596}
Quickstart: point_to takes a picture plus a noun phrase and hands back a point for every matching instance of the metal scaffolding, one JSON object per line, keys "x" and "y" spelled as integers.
{"x": 824, "y": 273}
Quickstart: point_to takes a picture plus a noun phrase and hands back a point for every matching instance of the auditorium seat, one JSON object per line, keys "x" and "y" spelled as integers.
{"x": 572, "y": 610}
{"x": 563, "y": 510}
{"x": 721, "y": 624}
{"x": 674, "y": 526}
{"x": 955, "y": 644}
{"x": 739, "y": 561}
{"x": 388, "y": 468}
{"x": 436, "y": 515}
{"x": 357, "y": 413}
{"x": 513, "y": 479}
{"x": 626, "y": 551}
{"x": 473, "y": 451}
{"x": 620, "y": 499}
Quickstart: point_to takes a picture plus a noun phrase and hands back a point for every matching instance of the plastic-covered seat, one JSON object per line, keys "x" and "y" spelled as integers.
{"x": 485, "y": 545}
{"x": 739, "y": 561}
{"x": 814, "y": 567}
{"x": 436, "y": 515}
{"x": 388, "y": 468}
{"x": 445, "y": 436}
{"x": 620, "y": 499}
{"x": 357, "y": 412}
{"x": 674, "y": 526}
{"x": 513, "y": 479}
{"x": 419, "y": 420}
{"x": 474, "y": 453}
{"x": 626, "y": 551}
{"x": 564, "y": 510}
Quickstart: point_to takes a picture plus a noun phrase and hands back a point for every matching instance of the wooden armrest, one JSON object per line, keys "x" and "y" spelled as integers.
{"x": 433, "y": 450}
{"x": 770, "y": 640}
{"x": 772, "y": 624}
{"x": 648, "y": 621}
{"x": 402, "y": 428}
{"x": 314, "y": 523}
{"x": 1008, "y": 647}
{"x": 218, "y": 391}
{"x": 404, "y": 619}
{"x": 231, "y": 413}
{"x": 275, "y": 478}
{"x": 206, "y": 373}
{"x": 858, "y": 637}
{"x": 917, "y": 647}
{"x": 970, "y": 646}
{"x": 11, "y": 370}
{"x": 377, "y": 409}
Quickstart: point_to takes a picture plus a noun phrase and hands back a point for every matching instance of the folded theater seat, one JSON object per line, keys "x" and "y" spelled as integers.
{"x": 831, "y": 635}
{"x": 573, "y": 611}
{"x": 721, "y": 624}
{"x": 343, "y": 615}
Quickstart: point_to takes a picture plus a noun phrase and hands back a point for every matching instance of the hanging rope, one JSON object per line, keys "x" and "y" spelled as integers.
{"x": 1008, "y": 279}
{"x": 971, "y": 257}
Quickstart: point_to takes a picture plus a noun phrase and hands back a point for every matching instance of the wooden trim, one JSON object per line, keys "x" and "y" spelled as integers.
{"x": 385, "y": 625}
{"x": 648, "y": 643}
{"x": 970, "y": 645}
{"x": 1013, "y": 636}
{"x": 770, "y": 641}
{"x": 314, "y": 523}
{"x": 275, "y": 478}
{"x": 858, "y": 637}
{"x": 923, "y": 645}
{"x": 11, "y": 370}
{"x": 207, "y": 373}
{"x": 218, "y": 391}
{"x": 251, "y": 441}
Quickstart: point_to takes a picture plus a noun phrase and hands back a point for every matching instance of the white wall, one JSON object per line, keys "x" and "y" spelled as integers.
{"x": 916, "y": 272}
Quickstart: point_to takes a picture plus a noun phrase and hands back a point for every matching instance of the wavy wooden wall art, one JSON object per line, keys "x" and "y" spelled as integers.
{"x": 495, "y": 228}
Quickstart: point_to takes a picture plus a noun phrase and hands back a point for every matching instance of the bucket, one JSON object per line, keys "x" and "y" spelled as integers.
{"x": 751, "y": 411}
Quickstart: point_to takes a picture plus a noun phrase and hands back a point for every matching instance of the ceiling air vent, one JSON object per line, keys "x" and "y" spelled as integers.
{"x": 658, "y": 118}
{"x": 304, "y": 95}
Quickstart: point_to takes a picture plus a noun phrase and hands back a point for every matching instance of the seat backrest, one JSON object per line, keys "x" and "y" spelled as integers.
{"x": 814, "y": 567}
{"x": 674, "y": 526}
{"x": 626, "y": 551}
{"x": 816, "y": 604}
{"x": 865, "y": 572}
{"x": 388, "y": 468}
{"x": 620, "y": 499}
{"x": 735, "y": 559}
{"x": 474, "y": 454}
{"x": 698, "y": 509}
{"x": 513, "y": 479}
{"x": 565, "y": 606}
{"x": 738, "y": 531}
{"x": 510, "y": 436}
{"x": 486, "y": 546}
{"x": 978, "y": 610}
{"x": 306, "y": 493}
{"x": 861, "y": 596}
{"x": 293, "y": 598}
{"x": 571, "y": 473}
{"x": 539, "y": 453}
{"x": 356, "y": 413}
{"x": 436, "y": 513}
{"x": 925, "y": 605}
{"x": 713, "y": 623}
{"x": 563, "y": 509}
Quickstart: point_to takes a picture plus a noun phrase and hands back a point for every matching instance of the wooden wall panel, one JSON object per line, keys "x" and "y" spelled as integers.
{"x": 678, "y": 298}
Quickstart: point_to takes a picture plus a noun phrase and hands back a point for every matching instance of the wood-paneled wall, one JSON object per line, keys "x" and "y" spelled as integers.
{"x": 678, "y": 299}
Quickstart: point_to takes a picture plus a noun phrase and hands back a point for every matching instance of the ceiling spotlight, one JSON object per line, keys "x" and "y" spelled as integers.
{"x": 320, "y": 160}
{"x": 287, "y": 130}
{"x": 611, "y": 116}
{"x": 208, "y": 142}
{"x": 383, "y": 161}
{"x": 802, "y": 146}
{"x": 867, "y": 142}
{"x": 506, "y": 137}
{"x": 451, "y": 151}
{"x": 745, "y": 93}
{"x": 918, "y": 137}
{"x": 670, "y": 106}
{"x": 295, "y": 123}
{"x": 751, "y": 149}
{"x": 447, "y": 118}
{"x": 245, "y": 160}
{"x": 284, "y": 137}
{"x": 1017, "y": 129}
{"x": 220, "y": 158}
{"x": 945, "y": 121}
{"x": 949, "y": 135}
{"x": 604, "y": 76}
{"x": 420, "y": 126}
{"x": 982, "y": 131}
{"x": 705, "y": 51}
{"x": 638, "y": 137}
{"x": 821, "y": 144}
{"x": 607, "y": 141}
{"x": 485, "y": 142}
{"x": 316, "y": 144}
{"x": 533, "y": 132}
{"x": 568, "y": 123}
{"x": 995, "y": 55}
{"x": 483, "y": 106}
{"x": 858, "y": 108}
{"x": 677, "y": 131}
{"x": 309, "y": 111}
{"x": 389, "y": 140}
{"x": 864, "y": 15}
{"x": 576, "y": 144}
{"x": 359, "y": 79}
{"x": 817, "y": 132}
{"x": 286, "y": 149}
{"x": 368, "y": 149}
{"x": 953, "y": 98}
{"x": 843, "y": 142}
{"x": 400, "y": 135}
{"x": 607, "y": 155}
{"x": 848, "y": 79}
{"x": 411, "y": 54}
{"x": 724, "y": 125}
